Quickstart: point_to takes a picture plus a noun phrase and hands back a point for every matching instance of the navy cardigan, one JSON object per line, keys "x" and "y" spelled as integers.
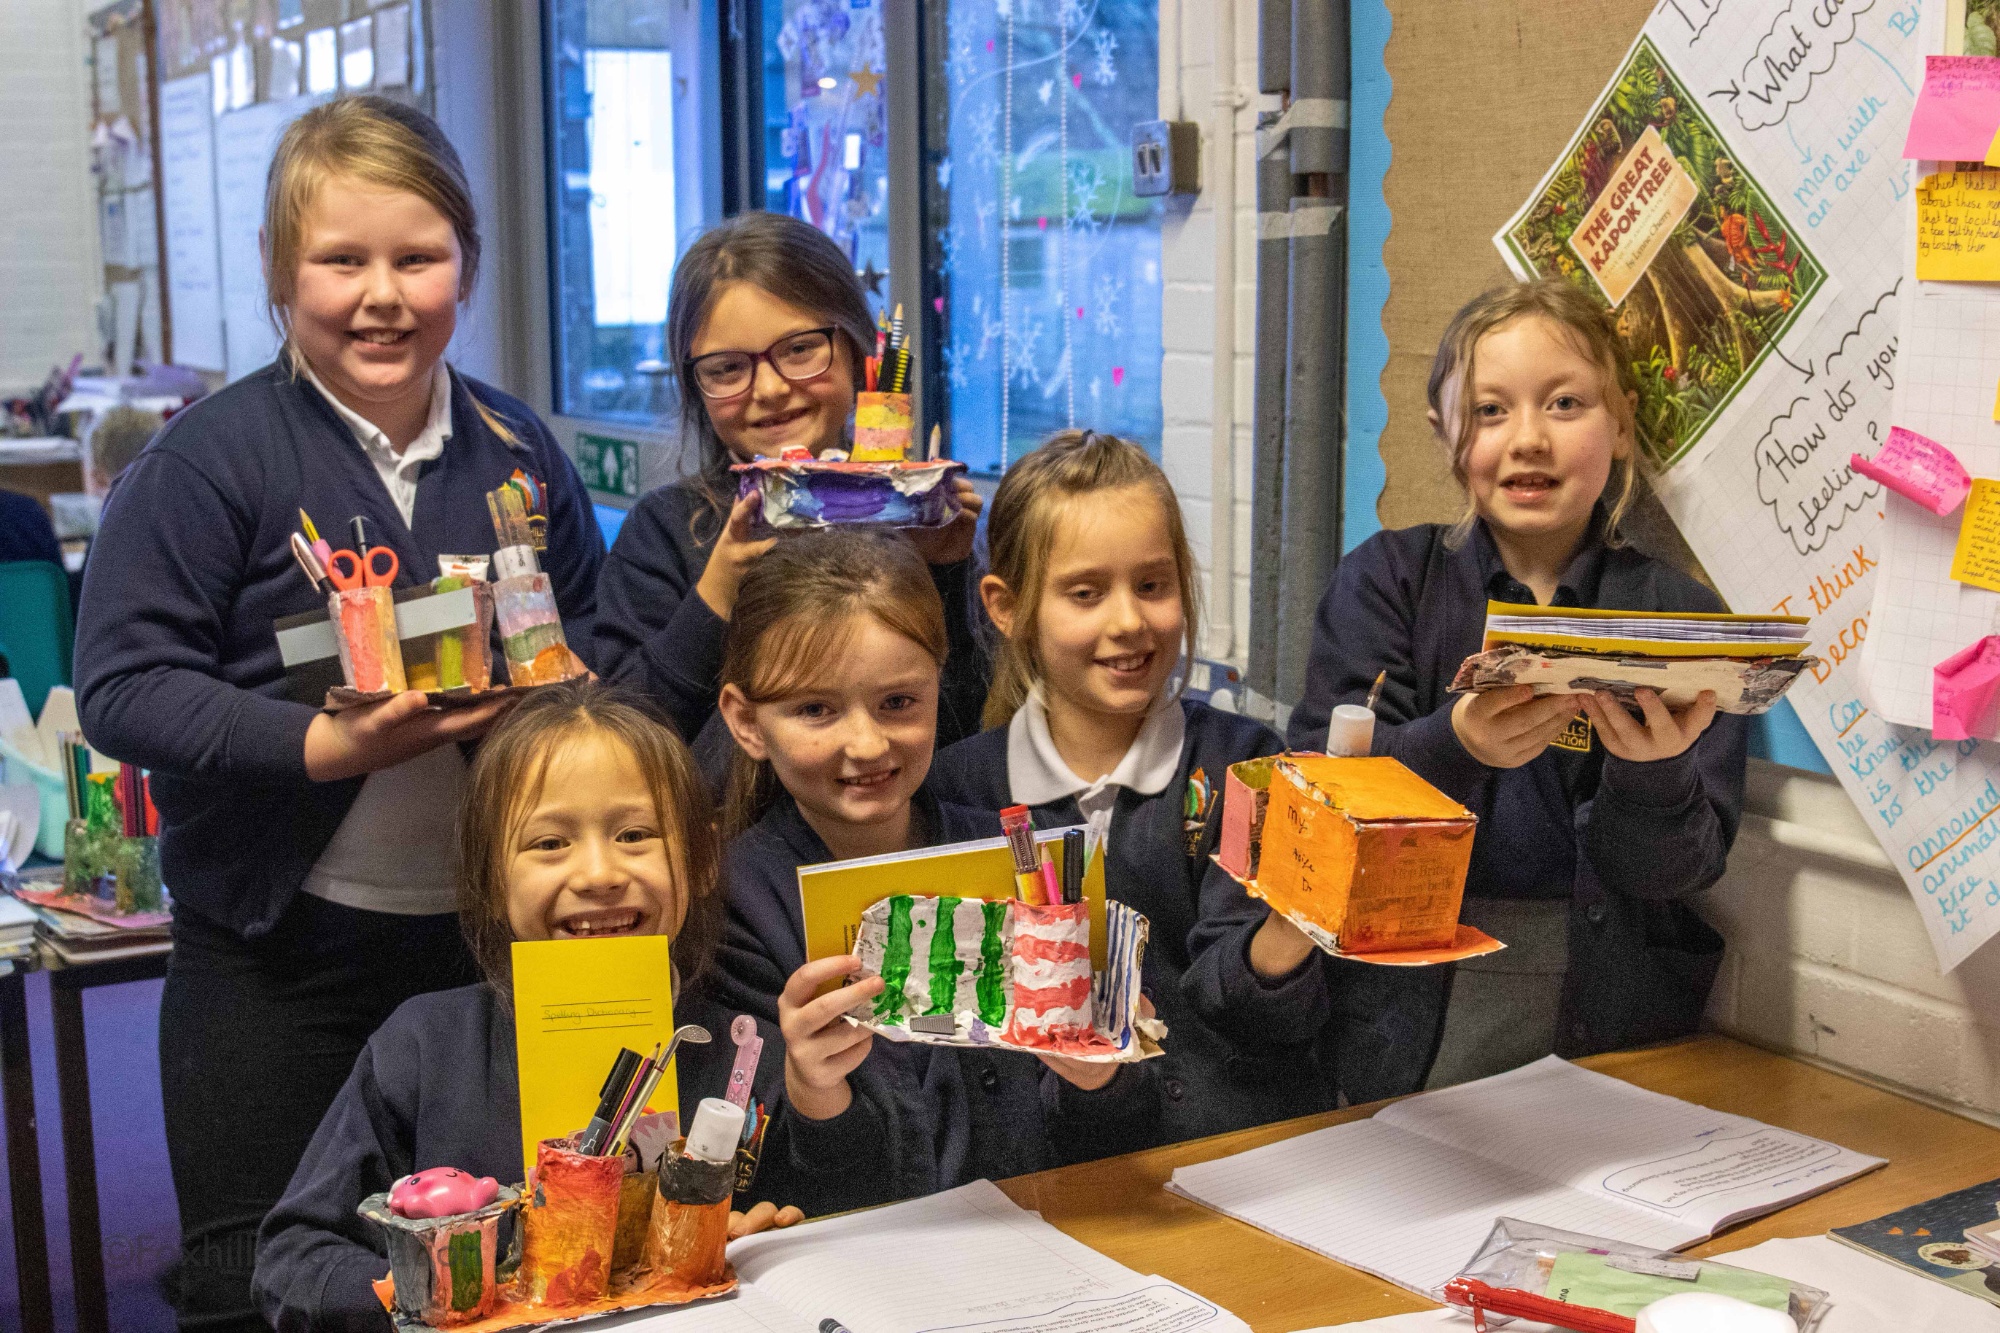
{"x": 976, "y": 1113}
{"x": 1627, "y": 844}
{"x": 655, "y": 632}
{"x": 437, "y": 1085}
{"x": 177, "y": 665}
{"x": 1239, "y": 1051}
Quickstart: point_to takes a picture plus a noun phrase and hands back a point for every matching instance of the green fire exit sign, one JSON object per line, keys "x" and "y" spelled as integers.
{"x": 608, "y": 465}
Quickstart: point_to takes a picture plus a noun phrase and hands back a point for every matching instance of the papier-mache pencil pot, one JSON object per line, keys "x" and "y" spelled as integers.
{"x": 364, "y": 625}
{"x": 690, "y": 1221}
{"x": 635, "y": 1218}
{"x": 569, "y": 1226}
{"x": 531, "y": 632}
{"x": 448, "y": 1270}
{"x": 457, "y": 654}
{"x": 884, "y": 424}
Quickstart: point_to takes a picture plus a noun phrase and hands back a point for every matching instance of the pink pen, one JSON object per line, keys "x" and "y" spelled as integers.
{"x": 749, "y": 1049}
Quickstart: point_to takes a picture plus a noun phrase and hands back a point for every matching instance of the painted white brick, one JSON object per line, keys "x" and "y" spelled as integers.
{"x": 1184, "y": 457}
{"x": 1187, "y": 317}
{"x": 1186, "y": 389}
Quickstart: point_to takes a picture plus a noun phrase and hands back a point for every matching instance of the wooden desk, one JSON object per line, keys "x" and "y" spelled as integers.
{"x": 1121, "y": 1207}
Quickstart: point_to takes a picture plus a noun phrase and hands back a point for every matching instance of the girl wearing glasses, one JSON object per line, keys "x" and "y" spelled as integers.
{"x": 766, "y": 328}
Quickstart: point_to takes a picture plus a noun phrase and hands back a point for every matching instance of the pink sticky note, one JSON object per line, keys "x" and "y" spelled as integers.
{"x": 1918, "y": 469}
{"x": 1962, "y": 690}
{"x": 1957, "y": 110}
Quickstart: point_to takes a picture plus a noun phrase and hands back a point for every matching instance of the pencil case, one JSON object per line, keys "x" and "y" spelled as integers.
{"x": 447, "y": 1271}
{"x": 1595, "y": 1285}
{"x": 531, "y": 632}
{"x": 801, "y": 493}
{"x": 884, "y": 424}
{"x": 569, "y": 1226}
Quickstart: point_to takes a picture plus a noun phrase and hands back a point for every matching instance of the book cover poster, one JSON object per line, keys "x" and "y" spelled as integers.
{"x": 1929, "y": 1238}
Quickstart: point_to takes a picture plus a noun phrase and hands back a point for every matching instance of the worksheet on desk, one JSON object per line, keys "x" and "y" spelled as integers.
{"x": 1412, "y": 1193}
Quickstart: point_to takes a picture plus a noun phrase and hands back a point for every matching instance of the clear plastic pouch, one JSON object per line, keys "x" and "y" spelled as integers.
{"x": 1524, "y": 1267}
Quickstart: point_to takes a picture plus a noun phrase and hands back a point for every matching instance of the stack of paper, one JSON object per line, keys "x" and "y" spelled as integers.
{"x": 1748, "y": 661}
{"x": 1411, "y": 1194}
{"x": 77, "y": 938}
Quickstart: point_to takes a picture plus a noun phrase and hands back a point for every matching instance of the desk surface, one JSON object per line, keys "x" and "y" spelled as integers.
{"x": 1121, "y": 1207}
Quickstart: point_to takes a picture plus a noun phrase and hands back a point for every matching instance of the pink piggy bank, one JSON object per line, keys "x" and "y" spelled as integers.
{"x": 441, "y": 1191}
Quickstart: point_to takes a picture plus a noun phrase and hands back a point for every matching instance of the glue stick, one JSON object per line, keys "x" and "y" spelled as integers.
{"x": 1351, "y": 730}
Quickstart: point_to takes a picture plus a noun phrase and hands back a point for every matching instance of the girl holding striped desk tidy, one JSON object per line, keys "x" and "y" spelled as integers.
{"x": 1093, "y": 587}
{"x": 767, "y": 331}
{"x": 830, "y": 690}
{"x": 1596, "y": 825}
{"x": 310, "y": 854}
{"x": 584, "y": 818}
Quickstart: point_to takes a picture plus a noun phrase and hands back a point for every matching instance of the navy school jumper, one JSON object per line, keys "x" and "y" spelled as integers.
{"x": 1239, "y": 1051}
{"x": 1627, "y": 844}
{"x": 177, "y": 665}
{"x": 655, "y": 632}
{"x": 975, "y": 1113}
{"x": 438, "y": 1085}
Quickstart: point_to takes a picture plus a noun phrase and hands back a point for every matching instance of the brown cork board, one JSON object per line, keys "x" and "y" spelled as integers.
{"x": 1485, "y": 96}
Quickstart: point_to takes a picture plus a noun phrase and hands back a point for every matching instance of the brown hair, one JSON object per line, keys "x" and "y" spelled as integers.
{"x": 1021, "y": 532}
{"x": 794, "y": 613}
{"x": 1590, "y": 332}
{"x": 379, "y": 141}
{"x": 506, "y": 781}
{"x": 786, "y": 257}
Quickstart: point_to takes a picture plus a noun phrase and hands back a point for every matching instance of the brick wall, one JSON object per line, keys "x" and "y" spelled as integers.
{"x": 1828, "y": 957}
{"x": 1187, "y": 307}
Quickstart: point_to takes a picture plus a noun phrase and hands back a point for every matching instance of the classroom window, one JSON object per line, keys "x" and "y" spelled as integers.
{"x": 626, "y": 169}
{"x": 1046, "y": 267}
{"x": 826, "y": 128}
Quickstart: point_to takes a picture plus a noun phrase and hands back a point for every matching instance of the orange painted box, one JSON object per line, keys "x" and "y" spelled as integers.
{"x": 1365, "y": 850}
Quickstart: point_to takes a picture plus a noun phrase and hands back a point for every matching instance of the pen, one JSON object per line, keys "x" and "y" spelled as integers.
{"x": 302, "y": 553}
{"x": 1375, "y": 690}
{"x": 608, "y": 1098}
{"x": 1073, "y": 858}
{"x": 1051, "y": 887}
{"x": 360, "y": 530}
{"x": 832, "y": 1326}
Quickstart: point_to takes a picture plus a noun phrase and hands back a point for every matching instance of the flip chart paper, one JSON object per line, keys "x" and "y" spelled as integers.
{"x": 1976, "y": 558}
{"x": 1918, "y": 469}
{"x": 576, "y": 1002}
{"x": 1962, "y": 696}
{"x": 1957, "y": 110}
{"x": 1958, "y": 227}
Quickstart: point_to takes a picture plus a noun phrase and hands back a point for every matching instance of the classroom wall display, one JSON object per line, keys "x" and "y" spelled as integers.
{"x": 233, "y": 76}
{"x": 122, "y": 161}
{"x": 1767, "y": 334}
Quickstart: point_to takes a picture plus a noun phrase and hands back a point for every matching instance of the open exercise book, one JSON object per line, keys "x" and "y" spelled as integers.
{"x": 1410, "y": 1194}
{"x": 968, "y": 1260}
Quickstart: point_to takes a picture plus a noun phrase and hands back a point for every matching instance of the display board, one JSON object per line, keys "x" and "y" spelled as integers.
{"x": 122, "y": 150}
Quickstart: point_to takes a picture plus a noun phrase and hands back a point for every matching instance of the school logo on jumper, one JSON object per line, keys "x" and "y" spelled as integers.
{"x": 1194, "y": 809}
{"x": 1575, "y": 736}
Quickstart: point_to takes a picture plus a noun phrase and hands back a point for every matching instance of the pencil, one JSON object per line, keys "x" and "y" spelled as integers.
{"x": 1375, "y": 690}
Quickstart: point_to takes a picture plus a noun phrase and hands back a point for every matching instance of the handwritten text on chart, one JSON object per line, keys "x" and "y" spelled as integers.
{"x": 1958, "y": 227}
{"x": 1800, "y": 45}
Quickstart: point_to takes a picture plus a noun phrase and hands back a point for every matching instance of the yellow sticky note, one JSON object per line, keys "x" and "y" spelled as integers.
{"x": 576, "y": 1002}
{"x": 1958, "y": 227}
{"x": 1993, "y": 150}
{"x": 832, "y": 897}
{"x": 1977, "y": 557}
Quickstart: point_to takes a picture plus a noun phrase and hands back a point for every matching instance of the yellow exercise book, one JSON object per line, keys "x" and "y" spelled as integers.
{"x": 833, "y": 896}
{"x": 576, "y": 1002}
{"x": 1747, "y": 661}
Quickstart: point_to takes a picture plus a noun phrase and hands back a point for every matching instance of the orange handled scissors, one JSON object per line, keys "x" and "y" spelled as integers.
{"x": 350, "y": 571}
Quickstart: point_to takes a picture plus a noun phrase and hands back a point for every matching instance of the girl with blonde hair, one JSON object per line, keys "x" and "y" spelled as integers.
{"x": 1597, "y": 820}
{"x": 310, "y": 854}
{"x": 1092, "y": 585}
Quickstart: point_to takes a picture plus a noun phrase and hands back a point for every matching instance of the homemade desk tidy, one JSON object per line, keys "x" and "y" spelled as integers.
{"x": 1360, "y": 853}
{"x": 1023, "y": 954}
{"x": 111, "y": 845}
{"x": 617, "y": 1212}
{"x": 881, "y": 480}
{"x": 376, "y": 640}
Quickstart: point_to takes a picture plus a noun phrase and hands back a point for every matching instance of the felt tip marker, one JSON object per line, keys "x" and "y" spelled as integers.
{"x": 832, "y": 1326}
{"x": 1073, "y": 859}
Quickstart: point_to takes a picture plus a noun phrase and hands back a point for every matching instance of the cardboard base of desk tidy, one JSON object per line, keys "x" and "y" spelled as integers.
{"x": 341, "y": 697}
{"x": 542, "y": 1316}
{"x": 1426, "y": 849}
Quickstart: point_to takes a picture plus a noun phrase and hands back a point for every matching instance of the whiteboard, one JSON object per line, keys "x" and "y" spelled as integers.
{"x": 244, "y": 142}
{"x": 187, "y": 187}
